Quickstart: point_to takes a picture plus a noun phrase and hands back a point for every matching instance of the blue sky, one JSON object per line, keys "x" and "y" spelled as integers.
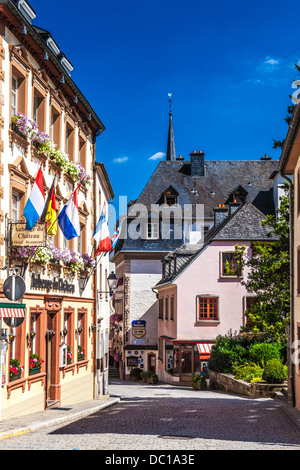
{"x": 229, "y": 66}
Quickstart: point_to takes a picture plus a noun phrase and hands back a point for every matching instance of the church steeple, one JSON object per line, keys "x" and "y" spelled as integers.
{"x": 171, "y": 154}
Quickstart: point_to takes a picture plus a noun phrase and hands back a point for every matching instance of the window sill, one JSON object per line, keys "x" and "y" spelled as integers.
{"x": 230, "y": 277}
{"x": 18, "y": 139}
{"x": 206, "y": 322}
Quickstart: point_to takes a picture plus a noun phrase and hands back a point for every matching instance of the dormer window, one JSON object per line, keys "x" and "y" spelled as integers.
{"x": 170, "y": 198}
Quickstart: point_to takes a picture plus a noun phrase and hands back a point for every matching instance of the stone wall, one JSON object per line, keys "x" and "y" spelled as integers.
{"x": 227, "y": 383}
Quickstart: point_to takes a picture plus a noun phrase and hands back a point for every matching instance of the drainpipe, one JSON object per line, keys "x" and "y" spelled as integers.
{"x": 292, "y": 327}
{"x": 96, "y": 360}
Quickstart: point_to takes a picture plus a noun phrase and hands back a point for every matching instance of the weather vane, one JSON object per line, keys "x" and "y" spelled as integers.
{"x": 170, "y": 101}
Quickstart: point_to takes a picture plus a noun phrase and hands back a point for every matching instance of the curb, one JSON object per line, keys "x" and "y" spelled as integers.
{"x": 52, "y": 422}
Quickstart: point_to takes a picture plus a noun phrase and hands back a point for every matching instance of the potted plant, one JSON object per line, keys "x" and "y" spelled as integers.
{"x": 135, "y": 373}
{"x": 15, "y": 369}
{"x": 196, "y": 382}
{"x": 154, "y": 379}
{"x": 203, "y": 383}
{"x": 150, "y": 377}
{"x": 35, "y": 364}
{"x": 144, "y": 376}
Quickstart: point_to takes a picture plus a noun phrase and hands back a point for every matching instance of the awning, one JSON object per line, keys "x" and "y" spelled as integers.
{"x": 12, "y": 310}
{"x": 204, "y": 350}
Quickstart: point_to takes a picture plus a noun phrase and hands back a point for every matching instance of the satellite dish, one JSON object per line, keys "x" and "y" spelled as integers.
{"x": 14, "y": 287}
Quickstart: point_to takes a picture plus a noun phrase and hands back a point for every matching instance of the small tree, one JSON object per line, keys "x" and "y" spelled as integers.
{"x": 269, "y": 276}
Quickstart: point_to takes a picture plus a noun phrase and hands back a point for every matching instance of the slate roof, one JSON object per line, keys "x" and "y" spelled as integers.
{"x": 221, "y": 178}
{"x": 244, "y": 225}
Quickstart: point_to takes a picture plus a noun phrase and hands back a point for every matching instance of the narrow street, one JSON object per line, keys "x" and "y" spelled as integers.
{"x": 164, "y": 417}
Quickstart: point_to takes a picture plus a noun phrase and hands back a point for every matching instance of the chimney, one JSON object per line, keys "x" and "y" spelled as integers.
{"x": 197, "y": 164}
{"x": 179, "y": 158}
{"x": 233, "y": 207}
{"x": 266, "y": 158}
{"x": 220, "y": 214}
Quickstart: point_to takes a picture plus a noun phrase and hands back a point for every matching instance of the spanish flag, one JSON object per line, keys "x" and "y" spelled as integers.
{"x": 49, "y": 214}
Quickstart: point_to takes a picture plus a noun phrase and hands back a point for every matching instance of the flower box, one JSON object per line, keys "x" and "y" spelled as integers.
{"x": 14, "y": 377}
{"x": 35, "y": 370}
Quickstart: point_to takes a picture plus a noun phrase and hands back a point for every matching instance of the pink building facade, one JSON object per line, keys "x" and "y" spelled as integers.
{"x": 201, "y": 299}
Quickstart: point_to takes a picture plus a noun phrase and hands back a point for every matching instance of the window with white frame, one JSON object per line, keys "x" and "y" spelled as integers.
{"x": 152, "y": 231}
{"x": 15, "y": 206}
{"x": 14, "y": 95}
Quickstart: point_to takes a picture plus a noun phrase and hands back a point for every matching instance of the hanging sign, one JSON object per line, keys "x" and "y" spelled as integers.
{"x": 138, "y": 328}
{"x": 19, "y": 236}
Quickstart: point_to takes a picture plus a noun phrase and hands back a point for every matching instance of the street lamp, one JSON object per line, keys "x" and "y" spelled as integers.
{"x": 112, "y": 281}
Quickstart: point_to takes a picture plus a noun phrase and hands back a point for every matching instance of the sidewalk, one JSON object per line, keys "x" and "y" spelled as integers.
{"x": 52, "y": 416}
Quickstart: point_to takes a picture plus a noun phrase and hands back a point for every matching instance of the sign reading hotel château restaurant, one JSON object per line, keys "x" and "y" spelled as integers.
{"x": 22, "y": 237}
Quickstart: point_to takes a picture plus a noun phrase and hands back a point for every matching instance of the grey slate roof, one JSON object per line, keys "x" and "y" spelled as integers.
{"x": 221, "y": 177}
{"x": 244, "y": 225}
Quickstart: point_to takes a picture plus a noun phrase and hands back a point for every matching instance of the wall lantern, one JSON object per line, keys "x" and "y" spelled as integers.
{"x": 11, "y": 338}
{"x": 63, "y": 333}
{"x": 112, "y": 281}
{"x": 79, "y": 330}
{"x": 50, "y": 334}
{"x": 30, "y": 336}
{"x": 92, "y": 329}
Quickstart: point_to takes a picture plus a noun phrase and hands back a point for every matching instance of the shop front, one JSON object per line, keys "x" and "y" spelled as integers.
{"x": 181, "y": 361}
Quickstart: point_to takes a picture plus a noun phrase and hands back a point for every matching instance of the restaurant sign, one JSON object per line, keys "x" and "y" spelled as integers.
{"x": 51, "y": 284}
{"x": 19, "y": 236}
{"x": 138, "y": 328}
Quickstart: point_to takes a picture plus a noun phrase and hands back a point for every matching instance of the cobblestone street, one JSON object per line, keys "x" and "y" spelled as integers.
{"x": 164, "y": 417}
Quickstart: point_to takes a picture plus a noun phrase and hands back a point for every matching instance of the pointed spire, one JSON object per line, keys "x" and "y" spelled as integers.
{"x": 171, "y": 154}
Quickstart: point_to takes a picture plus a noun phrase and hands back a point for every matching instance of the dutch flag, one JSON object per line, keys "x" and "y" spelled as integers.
{"x": 101, "y": 235}
{"x": 68, "y": 219}
{"x": 36, "y": 202}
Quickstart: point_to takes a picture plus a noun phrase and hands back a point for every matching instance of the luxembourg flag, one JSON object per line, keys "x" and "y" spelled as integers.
{"x": 101, "y": 235}
{"x": 117, "y": 233}
{"x": 36, "y": 202}
{"x": 68, "y": 219}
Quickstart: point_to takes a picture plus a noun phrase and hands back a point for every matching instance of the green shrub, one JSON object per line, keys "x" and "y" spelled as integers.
{"x": 221, "y": 360}
{"x": 248, "y": 372}
{"x": 136, "y": 372}
{"x": 275, "y": 372}
{"x": 263, "y": 353}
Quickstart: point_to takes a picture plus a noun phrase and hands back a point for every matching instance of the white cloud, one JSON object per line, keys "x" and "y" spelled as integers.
{"x": 270, "y": 61}
{"x": 120, "y": 159}
{"x": 157, "y": 156}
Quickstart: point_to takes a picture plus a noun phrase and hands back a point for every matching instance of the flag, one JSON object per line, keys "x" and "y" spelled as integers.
{"x": 101, "y": 235}
{"x": 36, "y": 202}
{"x": 49, "y": 212}
{"x": 116, "y": 235}
{"x": 68, "y": 219}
